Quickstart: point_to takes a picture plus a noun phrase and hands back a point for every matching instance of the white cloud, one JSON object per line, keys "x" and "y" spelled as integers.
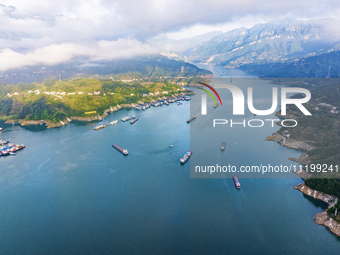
{"x": 29, "y": 30}
{"x": 59, "y": 53}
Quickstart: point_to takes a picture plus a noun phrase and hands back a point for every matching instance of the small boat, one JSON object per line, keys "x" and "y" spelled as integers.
{"x": 171, "y": 146}
{"x": 236, "y": 182}
{"x": 13, "y": 153}
{"x": 215, "y": 105}
{"x": 1, "y": 129}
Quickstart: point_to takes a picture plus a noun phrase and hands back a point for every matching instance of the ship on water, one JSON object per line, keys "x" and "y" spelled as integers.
{"x": 185, "y": 157}
{"x": 113, "y": 122}
{"x": 100, "y": 127}
{"x": 133, "y": 121}
{"x": 215, "y": 105}
{"x": 1, "y": 129}
{"x": 128, "y": 118}
{"x": 236, "y": 182}
{"x": 191, "y": 119}
{"x": 223, "y": 146}
{"x": 10, "y": 149}
{"x": 4, "y": 141}
{"x": 123, "y": 151}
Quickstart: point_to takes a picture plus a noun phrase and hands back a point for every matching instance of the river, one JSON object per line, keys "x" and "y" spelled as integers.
{"x": 70, "y": 192}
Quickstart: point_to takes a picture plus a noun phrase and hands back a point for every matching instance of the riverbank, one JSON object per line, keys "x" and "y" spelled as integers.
{"x": 49, "y": 124}
{"x": 322, "y": 218}
{"x": 289, "y": 143}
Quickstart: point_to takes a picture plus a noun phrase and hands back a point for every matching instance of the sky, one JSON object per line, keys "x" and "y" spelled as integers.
{"x": 48, "y": 32}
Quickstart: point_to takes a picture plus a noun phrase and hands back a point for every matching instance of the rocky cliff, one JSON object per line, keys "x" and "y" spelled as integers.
{"x": 322, "y": 218}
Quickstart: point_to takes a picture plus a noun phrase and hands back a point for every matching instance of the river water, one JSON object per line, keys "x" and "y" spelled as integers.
{"x": 70, "y": 192}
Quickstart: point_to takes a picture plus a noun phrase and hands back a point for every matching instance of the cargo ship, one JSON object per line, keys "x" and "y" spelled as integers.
{"x": 189, "y": 120}
{"x": 185, "y": 157}
{"x": 223, "y": 146}
{"x": 12, "y": 148}
{"x": 128, "y": 118}
{"x": 124, "y": 151}
{"x": 100, "y": 127}
{"x": 133, "y": 121}
{"x": 236, "y": 182}
{"x": 113, "y": 122}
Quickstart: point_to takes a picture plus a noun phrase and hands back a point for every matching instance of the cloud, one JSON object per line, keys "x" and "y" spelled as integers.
{"x": 59, "y": 53}
{"x": 47, "y": 32}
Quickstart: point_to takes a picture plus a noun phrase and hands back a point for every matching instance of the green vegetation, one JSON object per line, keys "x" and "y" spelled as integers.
{"x": 322, "y": 129}
{"x": 56, "y": 100}
{"x": 5, "y": 105}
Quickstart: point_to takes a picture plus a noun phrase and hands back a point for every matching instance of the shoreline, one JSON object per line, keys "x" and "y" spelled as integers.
{"x": 320, "y": 218}
{"x": 49, "y": 124}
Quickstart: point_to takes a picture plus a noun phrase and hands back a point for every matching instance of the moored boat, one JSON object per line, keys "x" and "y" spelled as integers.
{"x": 133, "y": 121}
{"x": 114, "y": 122}
{"x": 100, "y": 127}
{"x": 128, "y": 118}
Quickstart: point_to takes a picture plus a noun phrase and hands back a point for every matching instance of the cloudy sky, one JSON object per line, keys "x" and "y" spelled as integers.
{"x": 50, "y": 32}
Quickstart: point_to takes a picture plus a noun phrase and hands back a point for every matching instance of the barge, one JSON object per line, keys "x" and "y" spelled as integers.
{"x": 189, "y": 120}
{"x": 123, "y": 151}
{"x": 12, "y": 148}
{"x": 133, "y": 121}
{"x": 100, "y": 127}
{"x": 236, "y": 182}
{"x": 128, "y": 118}
{"x": 223, "y": 146}
{"x": 185, "y": 157}
{"x": 113, "y": 122}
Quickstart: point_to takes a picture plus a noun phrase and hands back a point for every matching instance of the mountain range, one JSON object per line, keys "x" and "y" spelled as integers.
{"x": 280, "y": 41}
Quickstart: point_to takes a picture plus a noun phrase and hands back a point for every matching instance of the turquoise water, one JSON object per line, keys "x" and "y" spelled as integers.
{"x": 70, "y": 192}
